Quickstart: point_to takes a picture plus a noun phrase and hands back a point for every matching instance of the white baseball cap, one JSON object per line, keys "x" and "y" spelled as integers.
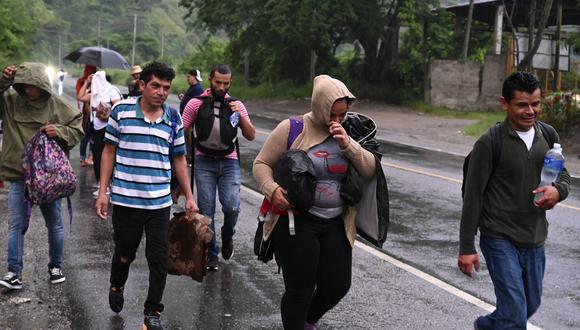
{"x": 197, "y": 74}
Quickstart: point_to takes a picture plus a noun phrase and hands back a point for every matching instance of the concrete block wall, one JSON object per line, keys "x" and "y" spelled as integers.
{"x": 455, "y": 84}
{"x": 466, "y": 84}
{"x": 492, "y": 80}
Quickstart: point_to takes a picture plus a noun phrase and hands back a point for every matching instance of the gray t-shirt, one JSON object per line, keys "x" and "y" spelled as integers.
{"x": 330, "y": 166}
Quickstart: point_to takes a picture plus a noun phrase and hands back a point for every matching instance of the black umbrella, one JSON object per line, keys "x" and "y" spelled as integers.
{"x": 98, "y": 56}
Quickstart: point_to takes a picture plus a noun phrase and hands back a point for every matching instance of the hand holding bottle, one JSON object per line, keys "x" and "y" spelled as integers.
{"x": 546, "y": 195}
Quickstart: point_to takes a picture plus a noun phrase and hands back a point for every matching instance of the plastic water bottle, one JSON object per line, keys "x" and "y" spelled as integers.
{"x": 234, "y": 119}
{"x": 553, "y": 166}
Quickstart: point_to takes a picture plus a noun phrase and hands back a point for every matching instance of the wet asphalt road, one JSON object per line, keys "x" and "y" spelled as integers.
{"x": 245, "y": 293}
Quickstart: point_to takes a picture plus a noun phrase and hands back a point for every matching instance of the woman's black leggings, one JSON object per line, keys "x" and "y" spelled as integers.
{"x": 316, "y": 265}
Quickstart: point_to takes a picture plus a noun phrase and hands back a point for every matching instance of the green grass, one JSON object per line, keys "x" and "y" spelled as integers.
{"x": 266, "y": 91}
{"x": 485, "y": 119}
{"x": 284, "y": 90}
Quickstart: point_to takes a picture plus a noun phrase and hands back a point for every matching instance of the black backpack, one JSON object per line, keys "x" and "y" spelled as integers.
{"x": 496, "y": 143}
{"x": 204, "y": 125}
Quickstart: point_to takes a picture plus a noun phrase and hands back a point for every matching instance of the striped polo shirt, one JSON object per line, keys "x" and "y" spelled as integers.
{"x": 142, "y": 172}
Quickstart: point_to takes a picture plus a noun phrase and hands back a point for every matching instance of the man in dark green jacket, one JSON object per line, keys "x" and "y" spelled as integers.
{"x": 30, "y": 105}
{"x": 500, "y": 202}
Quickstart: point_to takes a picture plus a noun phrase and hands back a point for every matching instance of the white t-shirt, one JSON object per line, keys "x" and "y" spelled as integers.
{"x": 97, "y": 123}
{"x": 527, "y": 137}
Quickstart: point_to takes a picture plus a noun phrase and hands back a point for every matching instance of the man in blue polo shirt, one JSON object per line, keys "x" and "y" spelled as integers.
{"x": 143, "y": 137}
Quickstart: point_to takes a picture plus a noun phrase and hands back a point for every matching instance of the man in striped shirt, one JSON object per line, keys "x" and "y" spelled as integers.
{"x": 143, "y": 138}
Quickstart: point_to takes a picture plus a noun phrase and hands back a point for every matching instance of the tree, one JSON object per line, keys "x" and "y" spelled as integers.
{"x": 17, "y": 30}
{"x": 527, "y": 61}
{"x": 278, "y": 34}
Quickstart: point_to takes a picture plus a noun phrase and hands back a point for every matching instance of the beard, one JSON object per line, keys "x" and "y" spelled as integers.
{"x": 218, "y": 94}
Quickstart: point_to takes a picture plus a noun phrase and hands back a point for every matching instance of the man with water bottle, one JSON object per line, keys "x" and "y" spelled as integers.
{"x": 500, "y": 201}
{"x": 215, "y": 117}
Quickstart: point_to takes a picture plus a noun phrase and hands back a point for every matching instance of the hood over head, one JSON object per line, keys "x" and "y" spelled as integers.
{"x": 32, "y": 74}
{"x": 325, "y": 91}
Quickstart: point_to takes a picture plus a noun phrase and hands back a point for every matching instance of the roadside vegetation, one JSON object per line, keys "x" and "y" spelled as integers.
{"x": 380, "y": 49}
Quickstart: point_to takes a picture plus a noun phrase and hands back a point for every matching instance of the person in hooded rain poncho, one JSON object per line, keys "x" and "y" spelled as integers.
{"x": 105, "y": 94}
{"x": 316, "y": 261}
{"x": 27, "y": 107}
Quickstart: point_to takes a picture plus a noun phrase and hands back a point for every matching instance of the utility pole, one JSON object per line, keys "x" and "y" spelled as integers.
{"x": 247, "y": 65}
{"x": 162, "y": 41}
{"x": 468, "y": 29}
{"x": 60, "y": 51}
{"x": 313, "y": 59}
{"x": 134, "y": 39}
{"x": 99, "y": 31}
{"x": 556, "y": 82}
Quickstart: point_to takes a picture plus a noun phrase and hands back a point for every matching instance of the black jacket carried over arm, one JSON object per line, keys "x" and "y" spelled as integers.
{"x": 371, "y": 197}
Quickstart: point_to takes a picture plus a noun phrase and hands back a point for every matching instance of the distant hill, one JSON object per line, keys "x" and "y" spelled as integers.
{"x": 160, "y": 27}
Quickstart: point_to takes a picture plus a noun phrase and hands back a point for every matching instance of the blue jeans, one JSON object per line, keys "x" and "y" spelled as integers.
{"x": 223, "y": 174}
{"x": 517, "y": 275}
{"x": 52, "y": 219}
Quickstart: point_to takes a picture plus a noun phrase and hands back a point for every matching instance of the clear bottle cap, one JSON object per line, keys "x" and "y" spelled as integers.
{"x": 557, "y": 146}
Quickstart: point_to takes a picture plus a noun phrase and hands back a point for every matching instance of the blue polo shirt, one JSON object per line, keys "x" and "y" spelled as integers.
{"x": 142, "y": 173}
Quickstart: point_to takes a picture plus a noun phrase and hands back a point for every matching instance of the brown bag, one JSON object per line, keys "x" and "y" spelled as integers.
{"x": 188, "y": 241}
{"x": 103, "y": 111}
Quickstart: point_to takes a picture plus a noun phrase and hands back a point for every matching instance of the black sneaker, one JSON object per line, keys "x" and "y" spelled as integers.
{"x": 11, "y": 281}
{"x": 212, "y": 264}
{"x": 227, "y": 249}
{"x": 56, "y": 275}
{"x": 152, "y": 321}
{"x": 116, "y": 299}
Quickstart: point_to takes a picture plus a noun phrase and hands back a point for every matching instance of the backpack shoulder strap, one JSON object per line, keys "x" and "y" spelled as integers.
{"x": 296, "y": 126}
{"x": 174, "y": 124}
{"x": 496, "y": 142}
{"x": 547, "y": 133}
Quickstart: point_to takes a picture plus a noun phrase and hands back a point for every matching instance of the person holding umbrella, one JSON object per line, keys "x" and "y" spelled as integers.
{"x": 98, "y": 56}
{"x": 102, "y": 96}
{"x": 85, "y": 109}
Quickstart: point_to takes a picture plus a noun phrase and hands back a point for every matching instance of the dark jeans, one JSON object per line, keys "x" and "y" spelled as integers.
{"x": 316, "y": 265}
{"x": 98, "y": 146}
{"x": 128, "y": 225}
{"x": 517, "y": 275}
